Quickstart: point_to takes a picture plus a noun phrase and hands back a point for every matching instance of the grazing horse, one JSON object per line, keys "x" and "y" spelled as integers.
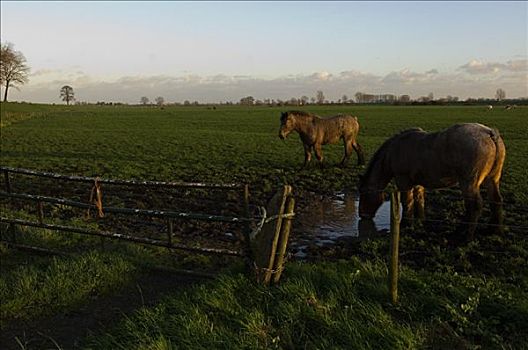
{"x": 315, "y": 132}
{"x": 465, "y": 154}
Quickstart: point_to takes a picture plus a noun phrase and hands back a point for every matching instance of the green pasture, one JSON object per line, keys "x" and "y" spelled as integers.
{"x": 452, "y": 296}
{"x": 224, "y": 144}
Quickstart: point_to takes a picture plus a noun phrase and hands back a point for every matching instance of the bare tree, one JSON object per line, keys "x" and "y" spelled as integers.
{"x": 500, "y": 95}
{"x": 144, "y": 100}
{"x": 67, "y": 94}
{"x": 359, "y": 97}
{"x": 430, "y": 96}
{"x": 159, "y": 100}
{"x": 304, "y": 100}
{"x": 320, "y": 97}
{"x": 248, "y": 100}
{"x": 344, "y": 99}
{"x": 13, "y": 68}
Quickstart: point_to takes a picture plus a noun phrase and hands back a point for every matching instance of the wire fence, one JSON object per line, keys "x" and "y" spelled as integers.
{"x": 270, "y": 227}
{"x": 214, "y": 222}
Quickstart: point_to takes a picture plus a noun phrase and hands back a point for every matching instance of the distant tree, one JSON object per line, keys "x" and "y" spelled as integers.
{"x": 13, "y": 68}
{"x": 405, "y": 98}
{"x": 186, "y": 103}
{"x": 312, "y": 100}
{"x": 304, "y": 100}
{"x": 500, "y": 95}
{"x": 344, "y": 99}
{"x": 430, "y": 96}
{"x": 320, "y": 97}
{"x": 359, "y": 97}
{"x": 144, "y": 100}
{"x": 159, "y": 100}
{"x": 248, "y": 100}
{"x": 67, "y": 94}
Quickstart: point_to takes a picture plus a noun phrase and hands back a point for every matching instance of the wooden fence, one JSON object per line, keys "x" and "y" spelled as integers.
{"x": 264, "y": 238}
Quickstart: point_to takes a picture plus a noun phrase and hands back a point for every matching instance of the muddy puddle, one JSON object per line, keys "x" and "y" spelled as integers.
{"x": 326, "y": 220}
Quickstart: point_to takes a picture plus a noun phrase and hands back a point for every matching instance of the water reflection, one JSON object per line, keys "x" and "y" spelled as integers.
{"x": 324, "y": 220}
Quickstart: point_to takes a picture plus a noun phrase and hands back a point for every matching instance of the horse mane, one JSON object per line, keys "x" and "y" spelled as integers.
{"x": 303, "y": 113}
{"x": 379, "y": 155}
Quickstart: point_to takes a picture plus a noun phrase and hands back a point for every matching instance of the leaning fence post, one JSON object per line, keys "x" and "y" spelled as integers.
{"x": 285, "y": 234}
{"x": 170, "y": 231}
{"x": 11, "y": 229}
{"x": 40, "y": 211}
{"x": 244, "y": 237}
{"x": 264, "y": 243}
{"x": 395, "y": 242}
{"x": 7, "y": 182}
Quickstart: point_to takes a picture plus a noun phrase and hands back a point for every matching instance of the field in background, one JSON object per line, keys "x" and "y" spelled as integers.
{"x": 225, "y": 144}
{"x": 461, "y": 296}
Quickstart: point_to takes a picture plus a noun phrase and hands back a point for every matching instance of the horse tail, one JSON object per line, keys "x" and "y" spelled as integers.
{"x": 500, "y": 153}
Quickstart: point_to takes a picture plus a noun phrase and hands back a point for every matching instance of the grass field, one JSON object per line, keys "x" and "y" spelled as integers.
{"x": 470, "y": 296}
{"x": 226, "y": 144}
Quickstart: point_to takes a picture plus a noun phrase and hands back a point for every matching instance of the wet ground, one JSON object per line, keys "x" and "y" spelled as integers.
{"x": 322, "y": 221}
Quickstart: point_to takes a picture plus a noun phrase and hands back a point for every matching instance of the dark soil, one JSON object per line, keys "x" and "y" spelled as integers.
{"x": 66, "y": 330}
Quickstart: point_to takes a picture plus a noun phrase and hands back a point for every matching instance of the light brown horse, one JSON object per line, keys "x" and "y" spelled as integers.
{"x": 316, "y": 131}
{"x": 464, "y": 154}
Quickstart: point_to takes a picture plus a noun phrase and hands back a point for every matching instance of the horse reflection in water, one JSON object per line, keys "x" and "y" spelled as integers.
{"x": 326, "y": 220}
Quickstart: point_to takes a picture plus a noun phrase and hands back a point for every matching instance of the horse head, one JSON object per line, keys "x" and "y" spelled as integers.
{"x": 287, "y": 124}
{"x": 370, "y": 199}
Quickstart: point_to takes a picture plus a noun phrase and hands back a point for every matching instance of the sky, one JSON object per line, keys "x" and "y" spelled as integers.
{"x": 219, "y": 51}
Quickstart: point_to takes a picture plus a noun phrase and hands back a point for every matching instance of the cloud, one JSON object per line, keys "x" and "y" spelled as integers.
{"x": 41, "y": 72}
{"x": 474, "y": 79}
{"x": 517, "y": 65}
{"x": 480, "y": 67}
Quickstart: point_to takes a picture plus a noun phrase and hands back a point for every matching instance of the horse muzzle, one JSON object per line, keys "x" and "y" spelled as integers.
{"x": 366, "y": 217}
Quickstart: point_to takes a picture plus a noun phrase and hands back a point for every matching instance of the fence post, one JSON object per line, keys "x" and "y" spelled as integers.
{"x": 7, "y": 182}
{"x": 264, "y": 243}
{"x": 395, "y": 242}
{"x": 285, "y": 234}
{"x": 12, "y": 228}
{"x": 170, "y": 231}
{"x": 244, "y": 236}
{"x": 40, "y": 212}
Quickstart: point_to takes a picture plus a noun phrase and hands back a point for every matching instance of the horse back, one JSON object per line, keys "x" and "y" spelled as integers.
{"x": 332, "y": 129}
{"x": 459, "y": 153}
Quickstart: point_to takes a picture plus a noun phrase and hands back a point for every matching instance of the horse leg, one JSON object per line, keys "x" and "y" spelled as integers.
{"x": 319, "y": 154}
{"x": 307, "y": 155}
{"x": 348, "y": 150}
{"x": 473, "y": 204}
{"x": 419, "y": 202}
{"x": 407, "y": 201}
{"x": 359, "y": 152}
{"x": 495, "y": 199}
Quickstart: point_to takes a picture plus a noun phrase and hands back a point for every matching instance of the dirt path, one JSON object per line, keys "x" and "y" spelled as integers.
{"x": 66, "y": 330}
